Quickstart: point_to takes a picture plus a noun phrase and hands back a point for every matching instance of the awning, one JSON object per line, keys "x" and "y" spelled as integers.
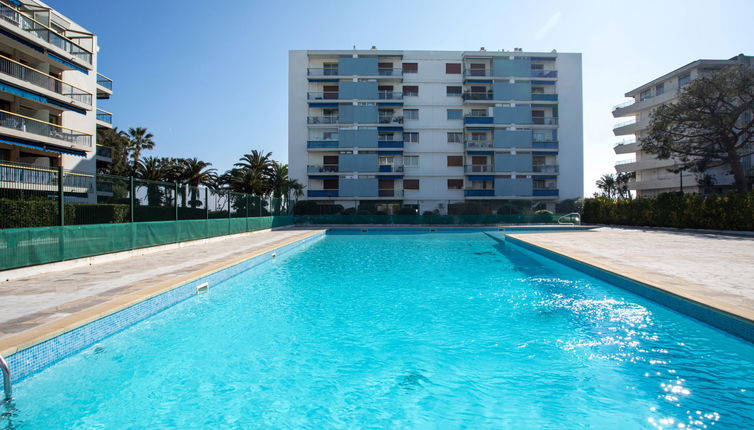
{"x": 42, "y": 146}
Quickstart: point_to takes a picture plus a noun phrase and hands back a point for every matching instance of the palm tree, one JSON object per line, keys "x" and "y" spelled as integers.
{"x": 119, "y": 144}
{"x": 140, "y": 139}
{"x": 621, "y": 184}
{"x": 196, "y": 172}
{"x": 152, "y": 169}
{"x": 281, "y": 185}
{"x": 259, "y": 163}
{"x": 607, "y": 185}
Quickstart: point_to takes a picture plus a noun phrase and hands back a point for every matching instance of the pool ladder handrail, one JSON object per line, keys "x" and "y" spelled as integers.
{"x": 7, "y": 389}
{"x": 569, "y": 216}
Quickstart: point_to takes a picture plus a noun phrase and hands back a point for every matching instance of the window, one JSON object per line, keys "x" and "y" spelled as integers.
{"x": 453, "y": 68}
{"x": 330, "y": 160}
{"x": 479, "y": 112}
{"x": 329, "y": 184}
{"x": 537, "y": 66}
{"x": 455, "y": 137}
{"x": 660, "y": 89}
{"x": 478, "y": 136}
{"x": 684, "y": 79}
{"x": 477, "y": 69}
{"x": 411, "y": 137}
{"x": 386, "y": 160}
{"x": 410, "y": 90}
{"x": 455, "y": 113}
{"x": 644, "y": 95}
{"x": 537, "y": 90}
{"x": 455, "y": 184}
{"x": 385, "y": 136}
{"x": 410, "y": 113}
{"x": 453, "y": 91}
{"x": 330, "y": 69}
{"x": 410, "y": 184}
{"x": 410, "y": 67}
{"x": 455, "y": 160}
{"x": 411, "y": 160}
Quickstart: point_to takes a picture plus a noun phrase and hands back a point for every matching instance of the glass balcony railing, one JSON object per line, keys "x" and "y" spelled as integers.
{"x": 322, "y": 168}
{"x": 104, "y": 151}
{"x": 477, "y": 96}
{"x": 46, "y": 129}
{"x": 476, "y": 144}
{"x": 476, "y": 72}
{"x": 544, "y": 73}
{"x": 390, "y": 193}
{"x": 334, "y": 71}
{"x": 542, "y": 168}
{"x": 545, "y": 121}
{"x": 33, "y": 76}
{"x": 384, "y": 119}
{"x": 13, "y": 16}
{"x": 389, "y": 95}
{"x": 387, "y": 168}
{"x": 327, "y": 119}
{"x": 624, "y": 142}
{"x": 624, "y": 104}
{"x": 325, "y": 95}
{"x": 473, "y": 73}
{"x": 624, "y": 123}
{"x": 104, "y": 81}
{"x": 104, "y": 116}
{"x": 478, "y": 168}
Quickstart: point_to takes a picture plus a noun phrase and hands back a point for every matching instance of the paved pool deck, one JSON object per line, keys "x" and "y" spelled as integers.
{"x": 716, "y": 270}
{"x": 37, "y": 307}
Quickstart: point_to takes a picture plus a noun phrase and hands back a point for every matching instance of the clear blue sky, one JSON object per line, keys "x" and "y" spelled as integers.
{"x": 209, "y": 79}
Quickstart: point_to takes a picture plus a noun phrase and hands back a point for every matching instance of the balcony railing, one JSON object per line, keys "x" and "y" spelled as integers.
{"x": 624, "y": 123}
{"x": 534, "y": 73}
{"x": 336, "y": 72}
{"x": 477, "y": 96}
{"x": 478, "y": 168}
{"x": 473, "y": 192}
{"x": 325, "y": 95}
{"x": 104, "y": 81}
{"x": 322, "y": 168}
{"x": 312, "y": 144}
{"x": 624, "y": 142}
{"x": 104, "y": 151}
{"x": 545, "y": 121}
{"x": 544, "y": 192}
{"x": 544, "y": 73}
{"x": 12, "y": 15}
{"x": 322, "y": 193}
{"x": 542, "y": 168}
{"x": 104, "y": 116}
{"x": 390, "y": 193}
{"x": 476, "y": 72}
{"x": 389, "y": 95}
{"x": 25, "y": 73}
{"x": 391, "y": 119}
{"x": 35, "y": 126}
{"x": 42, "y": 177}
{"x": 327, "y": 119}
{"x": 478, "y": 144}
{"x": 387, "y": 168}
{"x": 624, "y": 104}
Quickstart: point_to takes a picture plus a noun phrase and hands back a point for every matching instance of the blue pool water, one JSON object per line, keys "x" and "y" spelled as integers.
{"x": 402, "y": 330}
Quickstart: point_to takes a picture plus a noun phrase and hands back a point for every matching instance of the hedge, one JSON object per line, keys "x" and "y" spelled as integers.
{"x": 717, "y": 212}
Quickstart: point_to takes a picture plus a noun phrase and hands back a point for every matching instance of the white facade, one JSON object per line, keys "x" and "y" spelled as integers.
{"x": 654, "y": 176}
{"x": 49, "y": 92}
{"x": 491, "y": 127}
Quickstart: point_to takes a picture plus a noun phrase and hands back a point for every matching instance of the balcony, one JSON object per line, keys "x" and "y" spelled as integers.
{"x": 544, "y": 73}
{"x": 626, "y": 147}
{"x": 544, "y": 144}
{"x": 388, "y": 168}
{"x": 104, "y": 152}
{"x": 389, "y": 95}
{"x": 478, "y": 168}
{"x": 479, "y": 193}
{"x": 477, "y": 96}
{"x": 327, "y": 119}
{"x": 42, "y": 32}
{"x": 481, "y": 73}
{"x": 545, "y": 192}
{"x": 476, "y": 73}
{"x": 104, "y": 116}
{"x": 384, "y": 119}
{"x": 629, "y": 127}
{"x": 35, "y": 77}
{"x": 477, "y": 119}
{"x": 322, "y": 193}
{"x": 323, "y": 168}
{"x": 41, "y": 178}
{"x": 390, "y": 193}
{"x": 545, "y": 97}
{"x": 478, "y": 144}
{"x": 34, "y": 126}
{"x": 390, "y": 144}
{"x": 314, "y": 144}
{"x": 325, "y": 95}
{"x": 545, "y": 121}
{"x": 545, "y": 168}
{"x": 332, "y": 71}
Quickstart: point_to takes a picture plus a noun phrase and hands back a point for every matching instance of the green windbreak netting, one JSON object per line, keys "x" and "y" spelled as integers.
{"x": 429, "y": 219}
{"x": 21, "y": 247}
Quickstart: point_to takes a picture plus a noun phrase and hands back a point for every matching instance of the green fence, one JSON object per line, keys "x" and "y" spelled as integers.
{"x": 433, "y": 219}
{"x": 21, "y": 247}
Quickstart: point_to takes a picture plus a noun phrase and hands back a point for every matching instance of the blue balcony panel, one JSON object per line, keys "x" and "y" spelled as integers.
{"x": 545, "y": 145}
{"x": 543, "y": 82}
{"x": 390, "y": 144}
{"x": 479, "y": 193}
{"x": 477, "y": 120}
{"x": 322, "y": 193}
{"x": 391, "y": 176}
{"x": 389, "y": 152}
{"x": 323, "y": 105}
{"x": 480, "y": 153}
{"x": 324, "y": 80}
{"x": 542, "y": 193}
{"x": 322, "y": 144}
{"x": 481, "y": 178}
{"x": 389, "y": 128}
{"x": 545, "y": 97}
{"x": 390, "y": 104}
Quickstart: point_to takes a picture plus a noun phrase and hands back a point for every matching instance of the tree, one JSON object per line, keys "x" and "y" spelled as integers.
{"x": 711, "y": 124}
{"x": 622, "y": 180}
{"x": 153, "y": 169}
{"x": 194, "y": 173}
{"x": 282, "y": 186}
{"x": 118, "y": 143}
{"x": 139, "y": 139}
{"x": 607, "y": 184}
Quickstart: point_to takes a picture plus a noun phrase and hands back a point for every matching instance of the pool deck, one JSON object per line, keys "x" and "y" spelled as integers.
{"x": 37, "y": 307}
{"x": 715, "y": 270}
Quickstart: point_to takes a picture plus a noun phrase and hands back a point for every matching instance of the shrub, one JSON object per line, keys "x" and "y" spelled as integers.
{"x": 543, "y": 212}
{"x": 726, "y": 212}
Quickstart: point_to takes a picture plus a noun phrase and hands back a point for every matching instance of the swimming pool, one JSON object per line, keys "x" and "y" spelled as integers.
{"x": 402, "y": 329}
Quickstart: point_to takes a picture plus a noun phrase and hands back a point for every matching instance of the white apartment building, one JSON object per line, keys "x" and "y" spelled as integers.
{"x": 432, "y": 129}
{"x": 654, "y": 176}
{"x": 49, "y": 92}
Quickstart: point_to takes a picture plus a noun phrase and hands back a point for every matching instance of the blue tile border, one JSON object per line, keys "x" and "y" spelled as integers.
{"x": 35, "y": 358}
{"x": 725, "y": 321}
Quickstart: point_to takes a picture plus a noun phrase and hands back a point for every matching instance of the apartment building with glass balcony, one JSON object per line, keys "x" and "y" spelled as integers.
{"x": 652, "y": 175}
{"x": 49, "y": 94}
{"x": 431, "y": 129}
